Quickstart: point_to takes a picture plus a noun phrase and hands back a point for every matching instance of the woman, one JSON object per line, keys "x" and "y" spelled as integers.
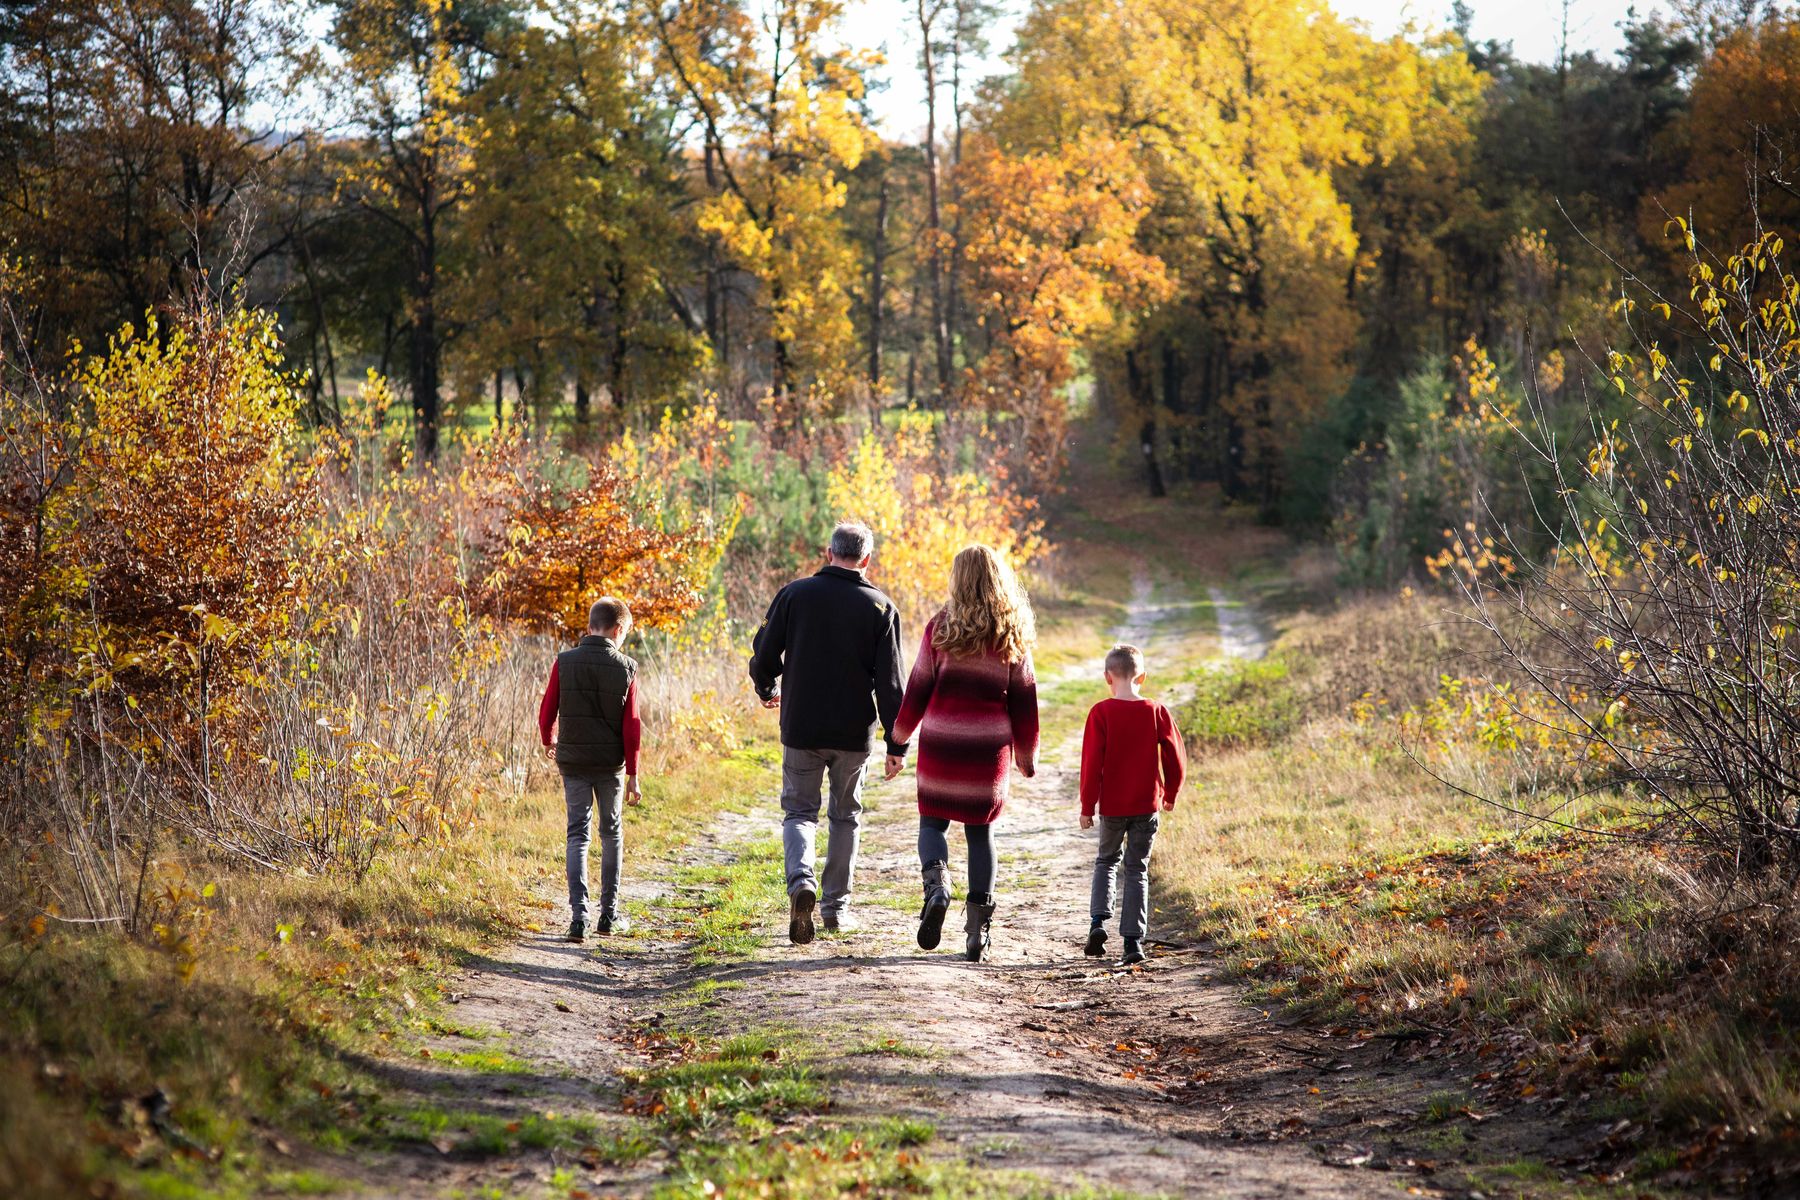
{"x": 973, "y": 700}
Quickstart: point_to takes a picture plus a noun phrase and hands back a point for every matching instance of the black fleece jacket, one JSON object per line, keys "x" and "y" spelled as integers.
{"x": 831, "y": 645}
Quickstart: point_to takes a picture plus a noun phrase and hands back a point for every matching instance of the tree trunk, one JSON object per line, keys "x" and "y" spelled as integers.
{"x": 716, "y": 332}
{"x": 878, "y": 286}
{"x": 1174, "y": 375}
{"x": 953, "y": 257}
{"x": 1143, "y": 403}
{"x": 928, "y": 11}
{"x": 425, "y": 357}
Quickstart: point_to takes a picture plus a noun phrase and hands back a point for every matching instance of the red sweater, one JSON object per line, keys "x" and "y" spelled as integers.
{"x": 633, "y": 730}
{"x": 975, "y": 716}
{"x": 1131, "y": 758}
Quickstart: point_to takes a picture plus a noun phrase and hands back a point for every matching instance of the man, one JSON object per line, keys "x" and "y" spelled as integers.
{"x": 828, "y": 656}
{"x": 591, "y": 704}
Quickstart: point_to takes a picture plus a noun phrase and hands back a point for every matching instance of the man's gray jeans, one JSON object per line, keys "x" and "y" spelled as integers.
{"x": 584, "y": 794}
{"x": 803, "y": 774}
{"x": 1124, "y": 839}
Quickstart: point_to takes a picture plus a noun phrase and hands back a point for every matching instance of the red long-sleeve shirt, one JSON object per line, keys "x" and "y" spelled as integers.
{"x": 1131, "y": 758}
{"x": 632, "y": 727}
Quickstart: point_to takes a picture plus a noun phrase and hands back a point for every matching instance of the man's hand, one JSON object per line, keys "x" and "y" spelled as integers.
{"x": 1087, "y": 820}
{"x": 773, "y": 701}
{"x": 1168, "y": 805}
{"x": 894, "y": 763}
{"x": 633, "y": 793}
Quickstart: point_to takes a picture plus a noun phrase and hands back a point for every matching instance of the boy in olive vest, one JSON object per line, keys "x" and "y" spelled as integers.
{"x": 590, "y": 728}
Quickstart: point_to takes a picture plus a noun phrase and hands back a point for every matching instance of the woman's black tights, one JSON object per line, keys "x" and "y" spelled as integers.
{"x": 934, "y": 846}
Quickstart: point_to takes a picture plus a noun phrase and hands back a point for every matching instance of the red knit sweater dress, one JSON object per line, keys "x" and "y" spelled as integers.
{"x": 974, "y": 715}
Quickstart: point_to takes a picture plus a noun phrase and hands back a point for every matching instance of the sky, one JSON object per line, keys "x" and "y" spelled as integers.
{"x": 1532, "y": 26}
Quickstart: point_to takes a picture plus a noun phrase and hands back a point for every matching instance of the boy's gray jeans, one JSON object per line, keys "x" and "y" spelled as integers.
{"x": 803, "y": 773}
{"x": 583, "y": 794}
{"x": 1125, "y": 839}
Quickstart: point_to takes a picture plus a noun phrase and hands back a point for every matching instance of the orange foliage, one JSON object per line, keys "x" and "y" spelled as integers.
{"x": 554, "y": 552}
{"x": 1051, "y": 245}
{"x": 1745, "y": 118}
{"x": 193, "y": 496}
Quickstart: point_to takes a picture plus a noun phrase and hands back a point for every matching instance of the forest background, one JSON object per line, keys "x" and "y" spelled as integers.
{"x": 351, "y": 349}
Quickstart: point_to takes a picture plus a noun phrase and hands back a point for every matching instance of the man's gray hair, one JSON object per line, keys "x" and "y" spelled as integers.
{"x": 852, "y": 541}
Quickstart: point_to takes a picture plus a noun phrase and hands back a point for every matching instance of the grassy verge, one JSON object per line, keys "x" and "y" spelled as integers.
{"x": 184, "y": 1061}
{"x": 1348, "y": 884}
{"x": 719, "y": 905}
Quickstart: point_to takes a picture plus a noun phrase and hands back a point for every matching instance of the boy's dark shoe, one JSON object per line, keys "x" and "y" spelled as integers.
{"x": 841, "y": 921}
{"x": 800, "y": 916}
{"x": 577, "y": 930}
{"x": 1134, "y": 953}
{"x": 614, "y": 923}
{"x": 1096, "y": 943}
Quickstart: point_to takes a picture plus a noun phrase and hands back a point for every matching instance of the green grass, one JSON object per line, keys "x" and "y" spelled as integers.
{"x": 720, "y": 906}
{"x": 486, "y": 1135}
{"x": 893, "y": 1047}
{"x": 486, "y": 1062}
{"x": 884, "y": 1159}
{"x": 1242, "y": 702}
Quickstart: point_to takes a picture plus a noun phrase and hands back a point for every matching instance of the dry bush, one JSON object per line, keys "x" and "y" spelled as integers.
{"x": 1663, "y": 626}
{"x": 285, "y": 649}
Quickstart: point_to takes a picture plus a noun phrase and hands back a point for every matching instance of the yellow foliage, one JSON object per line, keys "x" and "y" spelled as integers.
{"x": 922, "y": 515}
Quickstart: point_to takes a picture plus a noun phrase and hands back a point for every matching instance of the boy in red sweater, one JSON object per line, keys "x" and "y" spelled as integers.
{"x": 1132, "y": 764}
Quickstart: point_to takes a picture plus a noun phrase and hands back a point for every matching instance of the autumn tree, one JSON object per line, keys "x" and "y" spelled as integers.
{"x": 773, "y": 95}
{"x": 571, "y": 264}
{"x": 1742, "y": 135}
{"x": 131, "y": 144}
{"x": 1242, "y": 115}
{"x": 550, "y": 551}
{"x": 403, "y": 75}
{"x": 1052, "y": 255}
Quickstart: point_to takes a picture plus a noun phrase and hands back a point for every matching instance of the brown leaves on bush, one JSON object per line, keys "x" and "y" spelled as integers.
{"x": 552, "y": 552}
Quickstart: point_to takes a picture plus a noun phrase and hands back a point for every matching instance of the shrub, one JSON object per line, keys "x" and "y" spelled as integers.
{"x": 283, "y": 649}
{"x": 923, "y": 511}
{"x": 1671, "y": 598}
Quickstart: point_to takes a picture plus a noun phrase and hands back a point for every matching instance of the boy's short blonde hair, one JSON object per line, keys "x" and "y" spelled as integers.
{"x": 1125, "y": 661}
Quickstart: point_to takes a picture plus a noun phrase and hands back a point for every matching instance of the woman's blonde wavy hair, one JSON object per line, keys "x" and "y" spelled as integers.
{"x": 988, "y": 610}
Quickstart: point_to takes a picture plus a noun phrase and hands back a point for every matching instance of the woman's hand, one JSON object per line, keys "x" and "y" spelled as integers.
{"x": 1028, "y": 767}
{"x": 894, "y": 763}
{"x": 1087, "y": 820}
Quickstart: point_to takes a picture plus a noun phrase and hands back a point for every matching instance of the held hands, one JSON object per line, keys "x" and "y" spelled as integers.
{"x": 1168, "y": 805}
{"x": 773, "y": 701}
{"x": 633, "y": 793}
{"x": 1087, "y": 820}
{"x": 894, "y": 764}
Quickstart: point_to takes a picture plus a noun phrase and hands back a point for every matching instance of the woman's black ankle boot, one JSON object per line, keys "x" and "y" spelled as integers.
{"x": 980, "y": 918}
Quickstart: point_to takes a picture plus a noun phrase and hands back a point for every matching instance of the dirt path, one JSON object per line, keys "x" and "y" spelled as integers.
{"x": 1153, "y": 1080}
